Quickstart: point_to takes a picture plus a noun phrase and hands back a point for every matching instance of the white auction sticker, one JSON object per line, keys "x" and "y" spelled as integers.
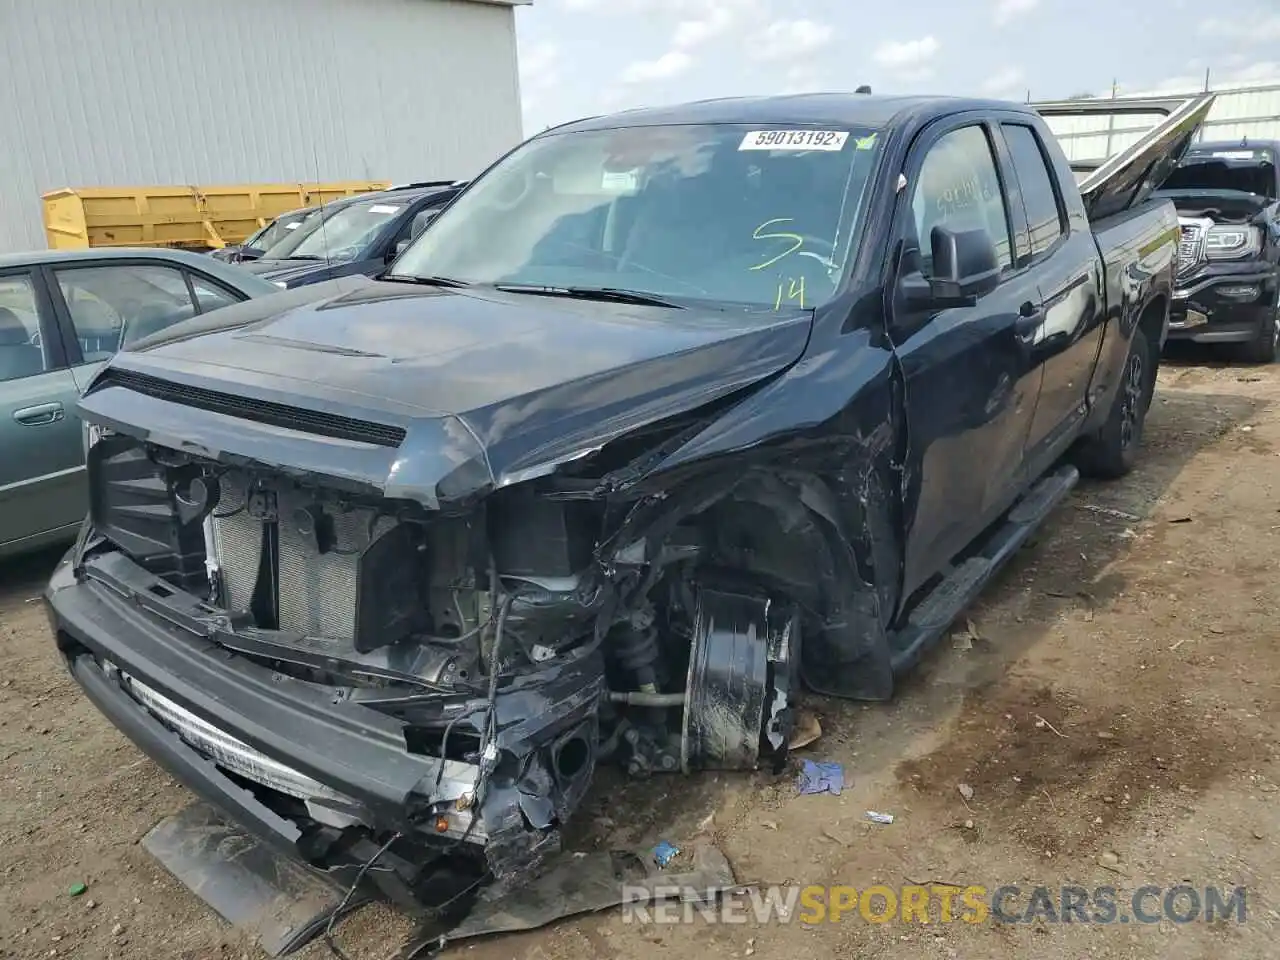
{"x": 1234, "y": 154}
{"x": 383, "y": 208}
{"x": 794, "y": 140}
{"x": 620, "y": 181}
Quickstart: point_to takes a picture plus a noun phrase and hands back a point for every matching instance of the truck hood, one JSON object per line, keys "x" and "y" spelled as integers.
{"x": 510, "y": 384}
{"x": 1222, "y": 206}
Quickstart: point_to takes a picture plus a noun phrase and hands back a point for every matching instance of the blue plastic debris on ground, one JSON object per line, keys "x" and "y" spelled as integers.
{"x": 664, "y": 852}
{"x": 816, "y": 777}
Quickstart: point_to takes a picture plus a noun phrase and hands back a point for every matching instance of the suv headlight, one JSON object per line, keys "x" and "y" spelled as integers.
{"x": 1231, "y": 242}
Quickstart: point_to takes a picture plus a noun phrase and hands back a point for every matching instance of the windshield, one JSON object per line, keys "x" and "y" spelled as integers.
{"x": 718, "y": 212}
{"x": 344, "y": 235}
{"x": 283, "y": 248}
{"x": 278, "y": 229}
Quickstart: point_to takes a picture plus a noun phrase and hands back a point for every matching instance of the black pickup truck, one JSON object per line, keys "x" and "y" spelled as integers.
{"x": 1227, "y": 288}
{"x": 668, "y": 416}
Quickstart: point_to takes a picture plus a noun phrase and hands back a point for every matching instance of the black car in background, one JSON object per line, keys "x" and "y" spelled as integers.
{"x": 274, "y": 232}
{"x": 359, "y": 236}
{"x": 1228, "y": 200}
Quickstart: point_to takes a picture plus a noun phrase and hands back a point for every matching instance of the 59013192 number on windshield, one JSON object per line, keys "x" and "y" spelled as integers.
{"x": 794, "y": 140}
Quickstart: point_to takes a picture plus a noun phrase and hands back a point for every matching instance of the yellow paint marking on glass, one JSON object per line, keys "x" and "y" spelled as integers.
{"x": 794, "y": 290}
{"x": 794, "y": 237}
{"x": 865, "y": 143}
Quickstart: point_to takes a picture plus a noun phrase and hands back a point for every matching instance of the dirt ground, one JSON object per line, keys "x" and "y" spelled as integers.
{"x": 1111, "y": 716}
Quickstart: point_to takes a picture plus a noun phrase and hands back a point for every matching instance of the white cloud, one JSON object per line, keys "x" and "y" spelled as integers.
{"x": 539, "y": 61}
{"x": 802, "y": 78}
{"x": 1251, "y": 74}
{"x": 679, "y": 9}
{"x": 787, "y": 39}
{"x": 908, "y": 59}
{"x": 1244, "y": 29}
{"x": 1008, "y": 10}
{"x": 670, "y": 64}
{"x": 694, "y": 33}
{"x": 1004, "y": 83}
{"x": 539, "y": 73}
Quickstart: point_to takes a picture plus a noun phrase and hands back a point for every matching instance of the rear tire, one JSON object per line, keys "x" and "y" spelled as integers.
{"x": 1264, "y": 347}
{"x": 1111, "y": 452}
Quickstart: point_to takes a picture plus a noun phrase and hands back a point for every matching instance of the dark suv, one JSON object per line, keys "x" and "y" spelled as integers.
{"x": 359, "y": 237}
{"x": 1229, "y": 251}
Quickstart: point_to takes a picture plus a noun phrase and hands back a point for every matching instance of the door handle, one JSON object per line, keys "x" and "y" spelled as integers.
{"x": 39, "y": 415}
{"x": 1030, "y": 319}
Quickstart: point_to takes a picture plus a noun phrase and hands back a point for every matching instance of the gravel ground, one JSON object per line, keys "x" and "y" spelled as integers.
{"x": 1108, "y": 719}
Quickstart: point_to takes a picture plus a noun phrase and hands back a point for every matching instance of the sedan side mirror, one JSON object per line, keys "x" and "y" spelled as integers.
{"x": 249, "y": 253}
{"x": 964, "y": 268}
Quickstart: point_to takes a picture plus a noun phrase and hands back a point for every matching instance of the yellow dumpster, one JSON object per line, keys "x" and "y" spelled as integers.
{"x": 178, "y": 216}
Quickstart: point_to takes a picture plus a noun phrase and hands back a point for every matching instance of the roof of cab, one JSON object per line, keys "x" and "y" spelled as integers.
{"x": 851, "y": 109}
{"x": 412, "y": 191}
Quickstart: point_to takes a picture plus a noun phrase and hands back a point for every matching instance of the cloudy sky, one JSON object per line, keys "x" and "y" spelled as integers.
{"x": 581, "y": 57}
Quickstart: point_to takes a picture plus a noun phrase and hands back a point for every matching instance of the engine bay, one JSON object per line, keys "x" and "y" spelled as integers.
{"x": 527, "y": 637}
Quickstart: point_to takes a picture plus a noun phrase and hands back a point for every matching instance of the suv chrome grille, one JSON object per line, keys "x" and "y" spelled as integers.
{"x": 1190, "y": 240}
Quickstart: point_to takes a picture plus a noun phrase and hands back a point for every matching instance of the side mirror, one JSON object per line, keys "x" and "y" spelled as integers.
{"x": 400, "y": 247}
{"x": 964, "y": 268}
{"x": 249, "y": 253}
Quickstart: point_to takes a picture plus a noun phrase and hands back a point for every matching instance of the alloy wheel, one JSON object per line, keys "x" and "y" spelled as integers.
{"x": 1132, "y": 390}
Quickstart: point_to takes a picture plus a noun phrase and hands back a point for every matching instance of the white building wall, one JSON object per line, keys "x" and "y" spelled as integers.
{"x": 151, "y": 92}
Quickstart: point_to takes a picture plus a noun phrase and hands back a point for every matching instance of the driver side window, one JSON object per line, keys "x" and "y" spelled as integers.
{"x": 958, "y": 188}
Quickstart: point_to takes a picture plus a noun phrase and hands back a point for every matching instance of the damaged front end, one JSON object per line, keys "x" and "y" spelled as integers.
{"x": 513, "y": 640}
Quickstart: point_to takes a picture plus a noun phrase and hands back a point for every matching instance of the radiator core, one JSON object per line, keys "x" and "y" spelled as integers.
{"x": 317, "y": 591}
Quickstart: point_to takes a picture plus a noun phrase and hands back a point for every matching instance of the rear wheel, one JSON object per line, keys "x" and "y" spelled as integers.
{"x": 1112, "y": 450}
{"x": 1263, "y": 347}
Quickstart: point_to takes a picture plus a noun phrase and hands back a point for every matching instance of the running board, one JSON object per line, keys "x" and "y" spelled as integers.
{"x": 929, "y": 621}
{"x": 280, "y": 902}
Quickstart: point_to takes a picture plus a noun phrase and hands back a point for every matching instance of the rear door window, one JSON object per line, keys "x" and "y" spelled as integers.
{"x": 210, "y": 295}
{"x": 22, "y": 349}
{"x": 1045, "y": 215}
{"x": 117, "y": 305}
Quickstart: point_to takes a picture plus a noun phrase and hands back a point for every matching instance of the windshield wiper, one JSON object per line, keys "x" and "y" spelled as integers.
{"x": 425, "y": 281}
{"x": 607, "y": 294}
{"x": 302, "y": 258}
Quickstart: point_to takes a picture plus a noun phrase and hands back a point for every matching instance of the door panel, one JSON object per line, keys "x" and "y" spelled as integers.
{"x": 42, "y": 481}
{"x": 1066, "y": 266}
{"x": 971, "y": 385}
{"x": 41, "y": 474}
